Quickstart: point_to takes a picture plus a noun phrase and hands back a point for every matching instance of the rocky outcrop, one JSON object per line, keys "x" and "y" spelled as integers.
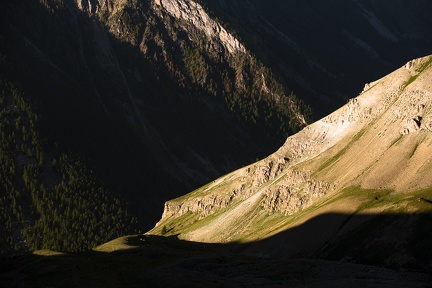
{"x": 268, "y": 170}
{"x": 295, "y": 192}
{"x": 202, "y": 206}
{"x": 192, "y": 12}
{"x": 416, "y": 112}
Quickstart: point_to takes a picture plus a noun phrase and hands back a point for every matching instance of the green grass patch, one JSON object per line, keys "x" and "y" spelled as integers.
{"x": 372, "y": 198}
{"x": 330, "y": 161}
{"x": 421, "y": 200}
{"x": 411, "y": 80}
{"x": 173, "y": 226}
{"x": 425, "y": 65}
{"x": 336, "y": 157}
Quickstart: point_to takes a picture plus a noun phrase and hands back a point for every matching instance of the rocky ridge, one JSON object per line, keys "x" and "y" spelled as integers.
{"x": 390, "y": 116}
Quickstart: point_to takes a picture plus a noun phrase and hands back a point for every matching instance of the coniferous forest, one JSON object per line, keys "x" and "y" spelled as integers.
{"x": 49, "y": 200}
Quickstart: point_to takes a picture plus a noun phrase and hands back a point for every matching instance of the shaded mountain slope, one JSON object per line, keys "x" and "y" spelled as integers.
{"x": 325, "y": 51}
{"x": 372, "y": 156}
{"x": 155, "y": 102}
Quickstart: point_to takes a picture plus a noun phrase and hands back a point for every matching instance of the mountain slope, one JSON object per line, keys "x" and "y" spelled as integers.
{"x": 326, "y": 51}
{"x": 370, "y": 157}
{"x": 155, "y": 97}
{"x": 156, "y": 102}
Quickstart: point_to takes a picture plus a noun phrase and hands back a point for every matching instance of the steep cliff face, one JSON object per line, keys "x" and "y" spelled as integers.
{"x": 371, "y": 155}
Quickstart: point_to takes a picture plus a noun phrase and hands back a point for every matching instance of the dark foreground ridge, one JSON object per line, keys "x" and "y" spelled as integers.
{"x": 358, "y": 259}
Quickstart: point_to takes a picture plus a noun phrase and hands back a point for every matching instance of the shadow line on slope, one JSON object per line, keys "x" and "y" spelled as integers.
{"x": 301, "y": 256}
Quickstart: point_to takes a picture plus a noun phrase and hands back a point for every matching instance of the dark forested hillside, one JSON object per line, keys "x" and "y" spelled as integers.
{"x": 145, "y": 100}
{"x": 49, "y": 199}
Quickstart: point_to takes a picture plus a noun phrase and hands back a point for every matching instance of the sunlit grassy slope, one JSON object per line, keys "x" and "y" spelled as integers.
{"x": 372, "y": 157}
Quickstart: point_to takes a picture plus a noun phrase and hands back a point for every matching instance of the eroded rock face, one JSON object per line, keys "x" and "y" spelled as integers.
{"x": 93, "y": 7}
{"x": 416, "y": 112}
{"x": 204, "y": 206}
{"x": 293, "y": 190}
{"x": 297, "y": 191}
{"x": 194, "y": 13}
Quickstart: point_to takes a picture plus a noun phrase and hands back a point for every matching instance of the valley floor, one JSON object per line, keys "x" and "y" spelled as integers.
{"x": 150, "y": 261}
